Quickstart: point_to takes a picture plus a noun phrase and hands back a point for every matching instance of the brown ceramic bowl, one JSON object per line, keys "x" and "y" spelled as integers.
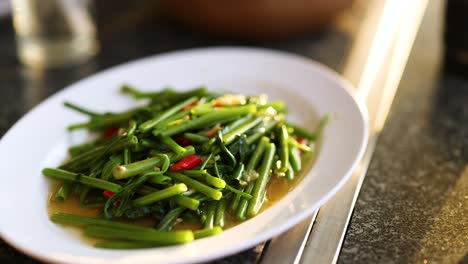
{"x": 255, "y": 18}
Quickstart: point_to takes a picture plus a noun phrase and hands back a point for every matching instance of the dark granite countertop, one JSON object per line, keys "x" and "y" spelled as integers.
{"x": 413, "y": 207}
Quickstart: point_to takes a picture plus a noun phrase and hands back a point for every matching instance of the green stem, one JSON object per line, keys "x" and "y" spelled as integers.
{"x": 206, "y": 232}
{"x": 208, "y": 178}
{"x": 196, "y": 185}
{"x": 219, "y": 215}
{"x": 170, "y": 143}
{"x": 257, "y": 155}
{"x": 139, "y": 167}
{"x": 278, "y": 106}
{"x": 207, "y": 119}
{"x": 132, "y": 125}
{"x": 293, "y": 142}
{"x": 205, "y": 162}
{"x": 290, "y": 173}
{"x": 222, "y": 146}
{"x": 149, "y": 124}
{"x": 170, "y": 120}
{"x": 201, "y": 109}
{"x": 79, "y": 149}
{"x": 70, "y": 219}
{"x": 126, "y": 244}
{"x": 105, "y": 120}
{"x": 80, "y": 109}
{"x": 240, "y": 204}
{"x": 210, "y": 214}
{"x": 295, "y": 158}
{"x": 161, "y": 195}
{"x": 149, "y": 235}
{"x": 238, "y": 171}
{"x": 159, "y": 179}
{"x": 283, "y": 148}
{"x": 189, "y": 150}
{"x": 76, "y": 177}
{"x": 110, "y": 164}
{"x": 318, "y": 130}
{"x": 84, "y": 160}
{"x": 261, "y": 130}
{"x": 244, "y": 203}
{"x": 259, "y": 190}
{"x": 230, "y": 136}
{"x": 235, "y": 202}
{"x": 239, "y": 192}
{"x": 126, "y": 156}
{"x": 187, "y": 202}
{"x": 237, "y": 123}
{"x": 64, "y": 192}
{"x": 195, "y": 137}
{"x": 170, "y": 219}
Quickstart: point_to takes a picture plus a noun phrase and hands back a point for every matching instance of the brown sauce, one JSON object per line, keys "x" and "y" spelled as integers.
{"x": 70, "y": 206}
{"x": 277, "y": 188}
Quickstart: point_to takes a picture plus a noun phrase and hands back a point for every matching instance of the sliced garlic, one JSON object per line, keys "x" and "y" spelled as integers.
{"x": 230, "y": 99}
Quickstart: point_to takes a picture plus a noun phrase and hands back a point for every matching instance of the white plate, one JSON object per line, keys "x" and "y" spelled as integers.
{"x": 40, "y": 139}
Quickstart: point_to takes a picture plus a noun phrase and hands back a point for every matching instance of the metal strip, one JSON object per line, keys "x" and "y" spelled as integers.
{"x": 375, "y": 66}
{"x": 288, "y": 247}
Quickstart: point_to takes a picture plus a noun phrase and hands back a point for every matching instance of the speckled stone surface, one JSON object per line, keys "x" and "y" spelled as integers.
{"x": 413, "y": 206}
{"x": 125, "y": 36}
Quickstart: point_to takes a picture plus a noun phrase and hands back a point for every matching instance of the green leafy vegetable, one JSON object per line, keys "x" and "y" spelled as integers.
{"x": 194, "y": 157}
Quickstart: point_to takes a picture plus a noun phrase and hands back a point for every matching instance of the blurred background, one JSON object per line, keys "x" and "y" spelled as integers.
{"x": 50, "y": 32}
{"x": 48, "y": 44}
{"x": 407, "y": 209}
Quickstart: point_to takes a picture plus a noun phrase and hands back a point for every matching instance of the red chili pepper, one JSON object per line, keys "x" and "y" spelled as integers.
{"x": 107, "y": 194}
{"x": 183, "y": 141}
{"x": 110, "y": 132}
{"x": 186, "y": 163}
{"x": 189, "y": 106}
{"x": 302, "y": 141}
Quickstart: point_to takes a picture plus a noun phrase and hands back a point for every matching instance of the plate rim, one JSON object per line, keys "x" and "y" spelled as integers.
{"x": 330, "y": 74}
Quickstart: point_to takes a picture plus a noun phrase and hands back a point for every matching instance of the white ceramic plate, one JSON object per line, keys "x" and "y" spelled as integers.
{"x": 40, "y": 139}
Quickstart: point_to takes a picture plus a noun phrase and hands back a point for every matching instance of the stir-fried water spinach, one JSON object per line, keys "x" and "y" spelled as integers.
{"x": 192, "y": 156}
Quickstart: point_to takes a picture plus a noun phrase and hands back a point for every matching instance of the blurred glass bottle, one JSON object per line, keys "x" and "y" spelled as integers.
{"x": 455, "y": 37}
{"x": 51, "y": 33}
